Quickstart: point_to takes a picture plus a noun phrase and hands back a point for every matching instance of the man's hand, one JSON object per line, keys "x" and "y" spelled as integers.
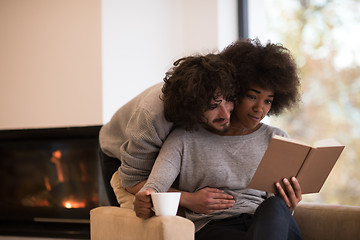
{"x": 206, "y": 200}
{"x": 142, "y": 204}
{"x": 291, "y": 194}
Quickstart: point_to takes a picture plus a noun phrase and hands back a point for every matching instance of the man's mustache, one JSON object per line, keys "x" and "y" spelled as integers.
{"x": 218, "y": 120}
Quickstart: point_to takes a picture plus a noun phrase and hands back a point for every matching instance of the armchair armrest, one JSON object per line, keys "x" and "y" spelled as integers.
{"x": 325, "y": 221}
{"x": 112, "y": 223}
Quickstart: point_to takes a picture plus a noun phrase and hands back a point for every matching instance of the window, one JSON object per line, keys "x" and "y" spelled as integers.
{"x": 323, "y": 37}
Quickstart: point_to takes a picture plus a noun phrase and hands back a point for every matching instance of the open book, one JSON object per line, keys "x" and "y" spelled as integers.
{"x": 286, "y": 158}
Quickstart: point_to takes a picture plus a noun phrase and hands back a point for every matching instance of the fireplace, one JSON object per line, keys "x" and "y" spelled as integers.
{"x": 49, "y": 181}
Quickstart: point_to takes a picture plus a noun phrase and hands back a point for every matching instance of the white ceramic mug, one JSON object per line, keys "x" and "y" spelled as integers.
{"x": 166, "y": 203}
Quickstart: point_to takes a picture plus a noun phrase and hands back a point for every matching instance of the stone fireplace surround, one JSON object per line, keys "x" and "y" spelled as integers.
{"x": 49, "y": 181}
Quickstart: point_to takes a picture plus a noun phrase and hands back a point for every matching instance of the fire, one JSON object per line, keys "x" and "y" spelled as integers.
{"x": 73, "y": 204}
{"x": 56, "y": 159}
{"x": 67, "y": 204}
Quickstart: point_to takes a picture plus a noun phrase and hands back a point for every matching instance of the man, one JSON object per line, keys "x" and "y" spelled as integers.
{"x": 135, "y": 134}
{"x": 228, "y": 159}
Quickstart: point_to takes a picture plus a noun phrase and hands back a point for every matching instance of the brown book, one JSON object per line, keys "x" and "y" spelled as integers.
{"x": 286, "y": 158}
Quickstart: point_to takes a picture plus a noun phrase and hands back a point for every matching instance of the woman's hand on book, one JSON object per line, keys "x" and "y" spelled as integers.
{"x": 291, "y": 194}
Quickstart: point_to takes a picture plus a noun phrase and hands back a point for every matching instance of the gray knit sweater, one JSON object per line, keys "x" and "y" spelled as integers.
{"x": 202, "y": 159}
{"x": 135, "y": 135}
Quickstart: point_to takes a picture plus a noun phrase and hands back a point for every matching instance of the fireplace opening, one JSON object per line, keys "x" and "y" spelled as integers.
{"x": 49, "y": 181}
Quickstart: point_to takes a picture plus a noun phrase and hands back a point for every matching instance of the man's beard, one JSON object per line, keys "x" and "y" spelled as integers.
{"x": 224, "y": 128}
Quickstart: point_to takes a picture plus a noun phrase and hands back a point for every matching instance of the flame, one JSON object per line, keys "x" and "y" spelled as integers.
{"x": 67, "y": 205}
{"x": 73, "y": 204}
{"x": 47, "y": 183}
{"x": 56, "y": 159}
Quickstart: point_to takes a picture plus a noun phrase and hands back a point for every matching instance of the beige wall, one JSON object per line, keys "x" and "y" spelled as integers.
{"x": 50, "y": 63}
{"x": 75, "y": 62}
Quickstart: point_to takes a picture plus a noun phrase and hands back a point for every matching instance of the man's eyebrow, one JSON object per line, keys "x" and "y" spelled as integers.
{"x": 257, "y": 91}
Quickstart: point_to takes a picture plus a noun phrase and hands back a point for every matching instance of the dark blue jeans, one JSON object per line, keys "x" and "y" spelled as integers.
{"x": 272, "y": 220}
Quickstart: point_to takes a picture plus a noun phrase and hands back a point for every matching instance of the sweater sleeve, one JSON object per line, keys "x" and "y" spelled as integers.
{"x": 167, "y": 166}
{"x": 147, "y": 133}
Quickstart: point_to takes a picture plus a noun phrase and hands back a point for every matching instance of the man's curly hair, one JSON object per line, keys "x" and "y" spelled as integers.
{"x": 271, "y": 67}
{"x": 191, "y": 84}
